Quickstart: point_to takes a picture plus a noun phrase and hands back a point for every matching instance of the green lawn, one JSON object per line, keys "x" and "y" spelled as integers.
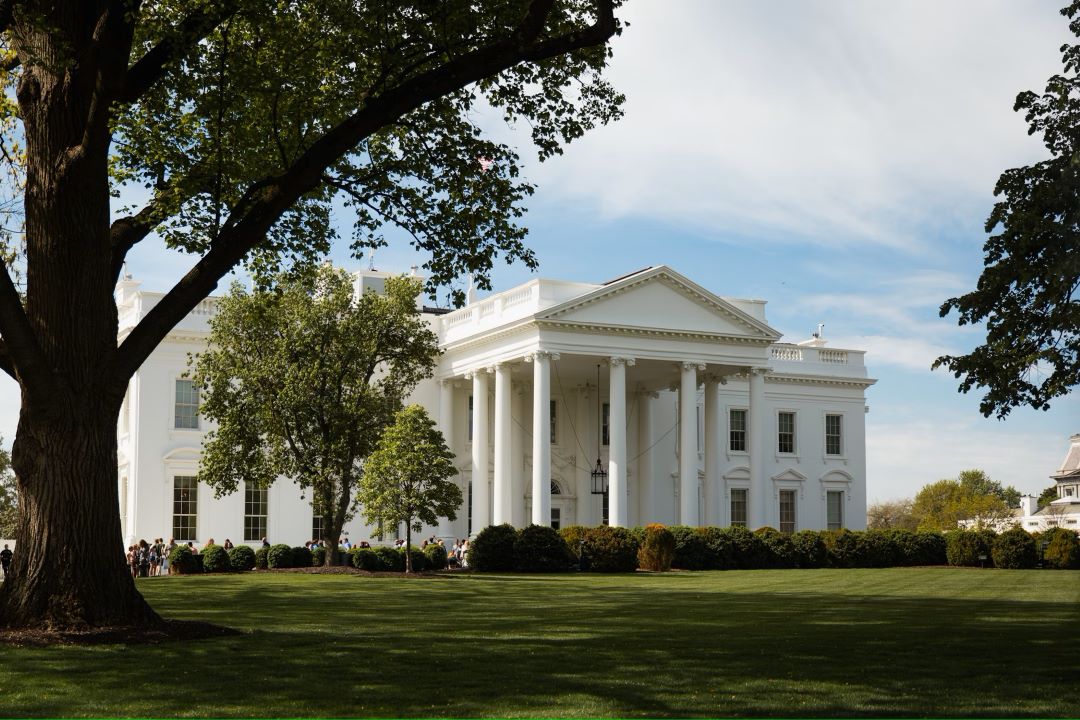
{"x": 941, "y": 642}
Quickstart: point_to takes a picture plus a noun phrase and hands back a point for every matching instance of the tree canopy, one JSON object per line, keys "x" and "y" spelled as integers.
{"x": 302, "y": 380}
{"x": 1028, "y": 291}
{"x": 406, "y": 479}
{"x": 971, "y": 497}
{"x": 232, "y": 130}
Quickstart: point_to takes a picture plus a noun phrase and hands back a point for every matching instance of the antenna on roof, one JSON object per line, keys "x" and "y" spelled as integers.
{"x": 371, "y": 258}
{"x": 820, "y": 331}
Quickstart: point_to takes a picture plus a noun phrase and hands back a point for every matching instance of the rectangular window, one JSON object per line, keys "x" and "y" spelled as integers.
{"x": 787, "y": 511}
{"x": 737, "y": 431}
{"x": 785, "y": 436}
{"x": 738, "y": 507}
{"x": 605, "y": 434}
{"x": 185, "y": 506}
{"x": 256, "y": 502}
{"x": 317, "y": 527}
{"x": 556, "y": 518}
{"x": 834, "y": 501}
{"x": 468, "y": 529}
{"x": 470, "y": 417}
{"x": 833, "y": 434}
{"x": 604, "y": 509}
{"x": 187, "y": 405}
{"x": 554, "y": 425}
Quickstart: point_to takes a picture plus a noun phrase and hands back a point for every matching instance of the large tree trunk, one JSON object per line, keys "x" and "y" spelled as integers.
{"x": 69, "y": 570}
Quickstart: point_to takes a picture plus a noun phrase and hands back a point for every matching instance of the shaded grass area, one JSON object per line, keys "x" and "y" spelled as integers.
{"x": 903, "y": 641}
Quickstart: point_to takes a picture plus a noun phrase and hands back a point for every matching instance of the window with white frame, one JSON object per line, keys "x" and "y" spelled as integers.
{"x": 317, "y": 529}
{"x": 256, "y": 504}
{"x": 738, "y": 507}
{"x": 834, "y": 436}
{"x": 185, "y": 525}
{"x": 737, "y": 430}
{"x": 552, "y": 421}
{"x": 834, "y": 509}
{"x": 470, "y": 417}
{"x": 785, "y": 432}
{"x": 605, "y": 431}
{"x": 186, "y": 408}
{"x": 787, "y": 511}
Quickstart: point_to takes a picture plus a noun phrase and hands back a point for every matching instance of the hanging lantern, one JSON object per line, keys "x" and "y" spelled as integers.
{"x": 599, "y": 474}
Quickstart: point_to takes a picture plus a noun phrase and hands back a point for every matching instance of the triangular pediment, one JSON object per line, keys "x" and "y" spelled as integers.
{"x": 659, "y": 299}
{"x": 789, "y": 475}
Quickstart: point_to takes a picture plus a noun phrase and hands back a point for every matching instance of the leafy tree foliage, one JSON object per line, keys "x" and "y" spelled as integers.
{"x": 972, "y": 496}
{"x": 1048, "y": 496}
{"x": 891, "y": 515}
{"x": 303, "y": 379}
{"x": 1028, "y": 291}
{"x": 245, "y": 122}
{"x": 405, "y": 479}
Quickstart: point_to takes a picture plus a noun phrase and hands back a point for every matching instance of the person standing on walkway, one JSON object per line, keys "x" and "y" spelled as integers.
{"x": 5, "y": 560}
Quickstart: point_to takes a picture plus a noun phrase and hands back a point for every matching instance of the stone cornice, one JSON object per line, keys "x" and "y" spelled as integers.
{"x": 831, "y": 380}
{"x": 627, "y": 330}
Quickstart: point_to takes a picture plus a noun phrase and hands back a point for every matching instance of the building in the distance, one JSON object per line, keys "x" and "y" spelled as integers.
{"x": 687, "y": 402}
{"x": 1063, "y": 511}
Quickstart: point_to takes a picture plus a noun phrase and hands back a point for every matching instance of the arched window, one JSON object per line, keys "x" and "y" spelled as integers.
{"x": 555, "y": 489}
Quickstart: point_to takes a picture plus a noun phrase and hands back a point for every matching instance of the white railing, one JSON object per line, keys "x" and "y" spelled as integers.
{"x": 457, "y": 318}
{"x": 206, "y": 308}
{"x": 791, "y": 354}
{"x": 486, "y": 308}
{"x": 517, "y": 297}
{"x": 833, "y": 356}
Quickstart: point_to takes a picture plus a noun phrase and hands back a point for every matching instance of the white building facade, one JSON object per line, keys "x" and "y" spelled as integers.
{"x": 688, "y": 401}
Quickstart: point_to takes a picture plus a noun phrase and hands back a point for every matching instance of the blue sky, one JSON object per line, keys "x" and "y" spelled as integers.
{"x": 834, "y": 158}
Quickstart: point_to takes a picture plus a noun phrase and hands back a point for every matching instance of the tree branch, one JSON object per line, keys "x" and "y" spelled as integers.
{"x": 151, "y": 67}
{"x": 265, "y": 201}
{"x": 24, "y": 359}
{"x": 5, "y": 361}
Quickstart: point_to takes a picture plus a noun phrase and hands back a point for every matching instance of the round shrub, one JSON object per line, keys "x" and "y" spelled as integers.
{"x": 365, "y": 559}
{"x": 493, "y": 549}
{"x": 260, "y": 558}
{"x": 967, "y": 548}
{"x": 573, "y": 536}
{"x": 1015, "y": 549}
{"x": 215, "y": 559}
{"x": 691, "y": 549}
{"x": 318, "y": 556}
{"x": 721, "y": 547}
{"x": 390, "y": 559}
{"x": 436, "y": 557}
{"x": 300, "y": 557}
{"x": 931, "y": 548}
{"x": 279, "y": 556}
{"x": 843, "y": 547}
{"x": 241, "y": 558}
{"x": 1061, "y": 549}
{"x": 780, "y": 551}
{"x": 748, "y": 552}
{"x": 539, "y": 548}
{"x": 419, "y": 560}
{"x": 656, "y": 549}
{"x": 610, "y": 549}
{"x": 809, "y": 549}
{"x": 877, "y": 549}
{"x": 182, "y": 561}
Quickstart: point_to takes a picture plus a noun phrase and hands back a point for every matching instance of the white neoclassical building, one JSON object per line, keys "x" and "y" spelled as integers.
{"x": 687, "y": 401}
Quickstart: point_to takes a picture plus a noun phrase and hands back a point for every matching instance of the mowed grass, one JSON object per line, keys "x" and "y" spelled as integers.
{"x": 905, "y": 641}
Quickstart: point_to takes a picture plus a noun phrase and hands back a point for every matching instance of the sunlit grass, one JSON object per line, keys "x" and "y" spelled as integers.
{"x": 942, "y": 642}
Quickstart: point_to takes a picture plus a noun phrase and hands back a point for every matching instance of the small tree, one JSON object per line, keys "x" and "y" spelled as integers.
{"x": 406, "y": 479}
{"x": 891, "y": 515}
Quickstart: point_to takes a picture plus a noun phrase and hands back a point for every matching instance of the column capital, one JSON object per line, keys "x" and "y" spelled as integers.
{"x": 542, "y": 355}
{"x": 651, "y": 394}
{"x": 619, "y": 360}
{"x": 692, "y": 365}
{"x": 716, "y": 378}
{"x": 758, "y": 371}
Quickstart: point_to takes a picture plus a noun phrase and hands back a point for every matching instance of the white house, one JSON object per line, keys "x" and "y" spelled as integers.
{"x": 1065, "y": 510}
{"x": 537, "y": 386}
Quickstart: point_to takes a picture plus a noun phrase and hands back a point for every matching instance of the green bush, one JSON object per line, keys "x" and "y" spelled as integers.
{"x": 691, "y": 549}
{"x": 779, "y": 549}
{"x": 279, "y": 556}
{"x": 436, "y": 556}
{"x": 965, "y": 548}
{"x": 1015, "y": 549}
{"x": 656, "y": 548}
{"x": 539, "y": 548}
{"x": 809, "y": 549}
{"x": 842, "y": 546}
{"x": 318, "y": 556}
{"x": 610, "y": 549}
{"x": 391, "y": 559}
{"x": 573, "y": 536}
{"x": 878, "y": 549}
{"x": 182, "y": 561}
{"x": 365, "y": 559}
{"x": 1061, "y": 549}
{"x": 300, "y": 557}
{"x": 419, "y": 560}
{"x": 747, "y": 550}
{"x": 260, "y": 558}
{"x": 215, "y": 559}
{"x": 241, "y": 558}
{"x": 493, "y": 549}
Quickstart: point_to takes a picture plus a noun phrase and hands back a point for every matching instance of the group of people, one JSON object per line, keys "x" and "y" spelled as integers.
{"x": 455, "y": 556}
{"x": 149, "y": 559}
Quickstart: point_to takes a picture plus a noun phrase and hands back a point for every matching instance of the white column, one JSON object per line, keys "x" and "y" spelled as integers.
{"x": 712, "y": 450}
{"x": 586, "y": 425}
{"x": 501, "y": 508}
{"x": 541, "y": 449}
{"x": 446, "y": 426}
{"x": 481, "y": 509}
{"x": 756, "y": 448}
{"x": 645, "y": 481}
{"x": 517, "y": 458}
{"x": 617, "y": 516}
{"x": 688, "y": 458}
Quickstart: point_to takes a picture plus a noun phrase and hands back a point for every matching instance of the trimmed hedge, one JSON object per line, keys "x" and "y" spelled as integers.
{"x": 609, "y": 549}
{"x": 364, "y": 559}
{"x": 182, "y": 561}
{"x": 1061, "y": 550}
{"x": 656, "y": 548}
{"x": 492, "y": 550}
{"x": 390, "y": 559}
{"x": 540, "y": 548}
{"x": 969, "y": 548}
{"x": 241, "y": 558}
{"x": 279, "y": 556}
{"x": 215, "y": 559}
{"x": 691, "y": 549}
{"x": 435, "y": 555}
{"x": 1015, "y": 549}
{"x": 779, "y": 549}
{"x": 809, "y": 549}
{"x": 260, "y": 558}
{"x": 574, "y": 536}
